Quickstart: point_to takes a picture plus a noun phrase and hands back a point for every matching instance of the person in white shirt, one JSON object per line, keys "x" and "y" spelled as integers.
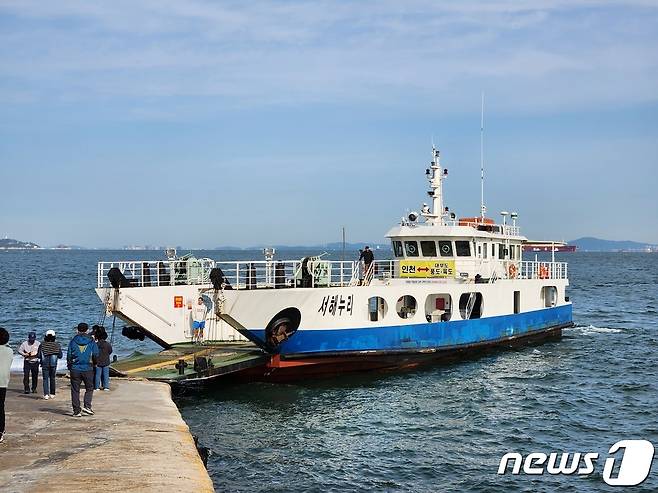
{"x": 6, "y": 355}
{"x": 199, "y": 312}
{"x": 29, "y": 350}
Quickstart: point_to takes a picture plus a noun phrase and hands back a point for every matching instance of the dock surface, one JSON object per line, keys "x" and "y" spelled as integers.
{"x": 136, "y": 441}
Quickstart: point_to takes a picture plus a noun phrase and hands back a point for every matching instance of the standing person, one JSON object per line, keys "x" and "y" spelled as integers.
{"x": 102, "y": 376}
{"x": 29, "y": 350}
{"x": 368, "y": 257}
{"x": 49, "y": 353}
{"x": 199, "y": 312}
{"x": 80, "y": 358}
{"x": 6, "y": 355}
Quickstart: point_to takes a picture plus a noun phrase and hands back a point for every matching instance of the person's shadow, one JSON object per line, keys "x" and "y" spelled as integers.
{"x": 22, "y": 394}
{"x": 51, "y": 410}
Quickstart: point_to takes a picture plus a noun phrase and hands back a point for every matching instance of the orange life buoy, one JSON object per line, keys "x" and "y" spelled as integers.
{"x": 543, "y": 272}
{"x": 512, "y": 271}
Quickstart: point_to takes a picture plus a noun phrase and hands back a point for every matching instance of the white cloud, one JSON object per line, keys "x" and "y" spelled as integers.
{"x": 531, "y": 55}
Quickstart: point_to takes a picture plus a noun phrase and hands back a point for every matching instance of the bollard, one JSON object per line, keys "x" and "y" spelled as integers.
{"x": 180, "y": 366}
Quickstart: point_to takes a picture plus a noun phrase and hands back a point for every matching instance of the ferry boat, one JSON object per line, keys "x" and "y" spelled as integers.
{"x": 453, "y": 287}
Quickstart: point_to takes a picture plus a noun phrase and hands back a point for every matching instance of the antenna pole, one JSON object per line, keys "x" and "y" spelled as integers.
{"x": 343, "y": 243}
{"x": 483, "y": 209}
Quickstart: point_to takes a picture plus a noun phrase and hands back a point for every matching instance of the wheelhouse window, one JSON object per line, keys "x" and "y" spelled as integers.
{"x": 501, "y": 251}
{"x": 463, "y": 248}
{"x": 428, "y": 248}
{"x": 397, "y": 248}
{"x": 411, "y": 248}
{"x": 445, "y": 248}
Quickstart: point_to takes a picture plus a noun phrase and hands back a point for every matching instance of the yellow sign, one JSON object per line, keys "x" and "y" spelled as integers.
{"x": 427, "y": 268}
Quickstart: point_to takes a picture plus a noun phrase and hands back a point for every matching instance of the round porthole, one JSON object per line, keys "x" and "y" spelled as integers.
{"x": 406, "y": 306}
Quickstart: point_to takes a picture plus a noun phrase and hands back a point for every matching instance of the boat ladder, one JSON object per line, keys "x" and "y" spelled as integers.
{"x": 470, "y": 304}
{"x": 367, "y": 275}
{"x": 493, "y": 278}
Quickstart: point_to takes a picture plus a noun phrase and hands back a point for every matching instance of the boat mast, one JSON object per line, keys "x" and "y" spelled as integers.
{"x": 435, "y": 177}
{"x": 483, "y": 209}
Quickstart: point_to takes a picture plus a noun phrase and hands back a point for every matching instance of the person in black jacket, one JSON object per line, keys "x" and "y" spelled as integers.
{"x": 50, "y": 351}
{"x": 368, "y": 258}
{"x": 102, "y": 375}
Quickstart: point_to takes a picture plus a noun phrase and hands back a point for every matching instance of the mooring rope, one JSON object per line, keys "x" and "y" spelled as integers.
{"x": 114, "y": 320}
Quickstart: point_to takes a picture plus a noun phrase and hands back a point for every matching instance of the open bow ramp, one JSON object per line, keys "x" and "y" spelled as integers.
{"x": 192, "y": 364}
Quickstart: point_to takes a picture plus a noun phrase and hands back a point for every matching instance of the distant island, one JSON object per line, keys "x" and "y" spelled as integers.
{"x": 585, "y": 244}
{"x": 11, "y": 244}
{"x": 590, "y": 244}
{"x": 335, "y": 246}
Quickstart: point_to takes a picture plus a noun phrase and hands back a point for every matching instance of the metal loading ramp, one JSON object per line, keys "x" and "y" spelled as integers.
{"x": 191, "y": 364}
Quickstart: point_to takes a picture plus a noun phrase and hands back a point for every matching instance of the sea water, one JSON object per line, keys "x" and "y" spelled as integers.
{"x": 442, "y": 428}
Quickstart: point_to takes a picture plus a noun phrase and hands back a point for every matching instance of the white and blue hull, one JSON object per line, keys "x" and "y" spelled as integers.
{"x": 423, "y": 337}
{"x": 348, "y": 329}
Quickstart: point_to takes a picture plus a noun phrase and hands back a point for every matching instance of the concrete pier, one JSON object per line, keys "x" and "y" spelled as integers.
{"x": 136, "y": 441}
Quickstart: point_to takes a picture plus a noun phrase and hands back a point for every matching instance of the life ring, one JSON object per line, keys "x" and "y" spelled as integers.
{"x": 512, "y": 270}
{"x": 544, "y": 273}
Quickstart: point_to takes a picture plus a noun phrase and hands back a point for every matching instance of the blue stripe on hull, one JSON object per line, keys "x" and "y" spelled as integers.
{"x": 414, "y": 337}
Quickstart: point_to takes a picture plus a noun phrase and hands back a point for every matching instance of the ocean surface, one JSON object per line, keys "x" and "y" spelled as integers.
{"x": 442, "y": 428}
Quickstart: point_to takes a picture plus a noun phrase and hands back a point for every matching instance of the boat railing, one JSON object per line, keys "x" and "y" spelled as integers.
{"x": 542, "y": 270}
{"x": 504, "y": 229}
{"x": 146, "y": 273}
{"x": 312, "y": 273}
{"x": 237, "y": 275}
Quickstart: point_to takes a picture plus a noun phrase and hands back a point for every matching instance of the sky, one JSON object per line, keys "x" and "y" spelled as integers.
{"x": 206, "y": 124}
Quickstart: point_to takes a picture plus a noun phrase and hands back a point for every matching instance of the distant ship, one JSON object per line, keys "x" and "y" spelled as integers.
{"x": 548, "y": 246}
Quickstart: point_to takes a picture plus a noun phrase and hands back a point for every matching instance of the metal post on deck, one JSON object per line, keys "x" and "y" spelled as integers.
{"x": 343, "y": 259}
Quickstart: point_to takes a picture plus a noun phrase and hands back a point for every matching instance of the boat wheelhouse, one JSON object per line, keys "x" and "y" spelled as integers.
{"x": 452, "y": 286}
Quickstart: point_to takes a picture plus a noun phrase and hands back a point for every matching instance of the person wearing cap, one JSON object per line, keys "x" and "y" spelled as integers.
{"x": 29, "y": 350}
{"x": 6, "y": 355}
{"x": 49, "y": 352}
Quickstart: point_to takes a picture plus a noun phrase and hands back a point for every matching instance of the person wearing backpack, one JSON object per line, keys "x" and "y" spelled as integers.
{"x": 80, "y": 359}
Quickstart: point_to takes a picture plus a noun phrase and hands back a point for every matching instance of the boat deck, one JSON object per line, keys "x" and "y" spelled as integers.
{"x": 200, "y": 362}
